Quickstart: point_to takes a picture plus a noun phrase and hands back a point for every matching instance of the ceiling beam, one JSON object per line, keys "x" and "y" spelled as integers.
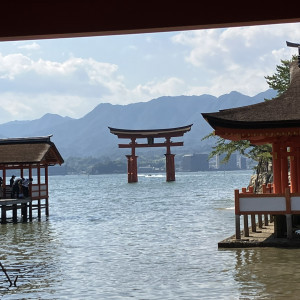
{"x": 40, "y": 19}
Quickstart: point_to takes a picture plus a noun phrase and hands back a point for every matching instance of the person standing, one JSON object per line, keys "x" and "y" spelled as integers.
{"x": 16, "y": 187}
{"x": 11, "y": 182}
{"x": 25, "y": 186}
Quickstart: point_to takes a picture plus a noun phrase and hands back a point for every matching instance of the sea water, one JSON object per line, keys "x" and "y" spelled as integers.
{"x": 107, "y": 239}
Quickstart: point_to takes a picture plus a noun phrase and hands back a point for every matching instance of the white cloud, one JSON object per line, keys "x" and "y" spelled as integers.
{"x": 32, "y": 46}
{"x": 215, "y": 61}
{"x": 13, "y": 64}
{"x": 240, "y": 45}
{"x": 238, "y": 58}
{"x": 30, "y": 88}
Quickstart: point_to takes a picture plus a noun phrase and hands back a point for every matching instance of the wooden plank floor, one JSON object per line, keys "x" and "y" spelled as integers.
{"x": 263, "y": 237}
{"x": 14, "y": 201}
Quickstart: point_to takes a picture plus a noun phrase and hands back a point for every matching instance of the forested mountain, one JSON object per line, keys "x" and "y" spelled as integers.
{"x": 90, "y": 136}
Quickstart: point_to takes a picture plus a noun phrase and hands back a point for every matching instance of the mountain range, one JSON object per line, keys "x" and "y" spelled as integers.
{"x": 90, "y": 136}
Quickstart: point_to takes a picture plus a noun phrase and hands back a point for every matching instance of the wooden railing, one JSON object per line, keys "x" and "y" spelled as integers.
{"x": 266, "y": 203}
{"x": 39, "y": 191}
{"x": 37, "y": 200}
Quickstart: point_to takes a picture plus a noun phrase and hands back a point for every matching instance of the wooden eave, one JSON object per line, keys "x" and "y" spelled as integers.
{"x": 29, "y": 151}
{"x": 157, "y": 133}
{"x": 259, "y": 136}
{"x": 276, "y": 117}
{"x": 52, "y": 156}
{"x": 215, "y": 121}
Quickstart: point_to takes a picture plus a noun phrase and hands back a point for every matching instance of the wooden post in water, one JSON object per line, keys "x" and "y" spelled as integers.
{"x": 39, "y": 183}
{"x": 289, "y": 227}
{"x": 260, "y": 222}
{"x": 3, "y": 214}
{"x": 47, "y": 196}
{"x": 237, "y": 215}
{"x": 15, "y": 213}
{"x": 30, "y": 211}
{"x": 246, "y": 226}
{"x": 39, "y": 209}
{"x": 24, "y": 211}
{"x": 237, "y": 227}
{"x": 253, "y": 223}
{"x": 266, "y": 220}
{"x": 30, "y": 195}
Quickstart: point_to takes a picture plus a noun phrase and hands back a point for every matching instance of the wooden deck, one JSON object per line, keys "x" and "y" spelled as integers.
{"x": 263, "y": 237}
{"x": 10, "y": 208}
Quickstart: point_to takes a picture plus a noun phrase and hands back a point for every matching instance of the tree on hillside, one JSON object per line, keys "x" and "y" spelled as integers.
{"x": 262, "y": 154}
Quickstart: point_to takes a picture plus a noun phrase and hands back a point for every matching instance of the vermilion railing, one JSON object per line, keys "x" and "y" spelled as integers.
{"x": 266, "y": 203}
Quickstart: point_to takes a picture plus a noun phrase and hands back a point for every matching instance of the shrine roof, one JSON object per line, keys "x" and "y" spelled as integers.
{"x": 34, "y": 150}
{"x": 280, "y": 112}
{"x": 144, "y": 133}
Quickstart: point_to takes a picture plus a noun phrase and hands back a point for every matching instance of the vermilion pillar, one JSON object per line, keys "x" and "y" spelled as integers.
{"x": 284, "y": 169}
{"x": 276, "y": 168}
{"x": 132, "y": 168}
{"x": 132, "y": 164}
{"x": 293, "y": 170}
{"x": 170, "y": 167}
{"x": 170, "y": 162}
{"x": 297, "y": 156}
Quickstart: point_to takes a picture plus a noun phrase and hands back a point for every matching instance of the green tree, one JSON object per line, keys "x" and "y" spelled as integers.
{"x": 280, "y": 81}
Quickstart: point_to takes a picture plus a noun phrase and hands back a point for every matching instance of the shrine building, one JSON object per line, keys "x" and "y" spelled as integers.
{"x": 275, "y": 122}
{"x": 150, "y": 135}
{"x": 26, "y": 158}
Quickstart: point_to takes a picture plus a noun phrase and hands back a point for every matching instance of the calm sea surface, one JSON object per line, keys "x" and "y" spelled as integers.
{"x": 107, "y": 239}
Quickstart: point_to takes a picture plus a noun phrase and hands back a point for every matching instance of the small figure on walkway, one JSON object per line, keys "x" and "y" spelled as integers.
{"x": 25, "y": 186}
{"x": 16, "y": 188}
{"x": 11, "y": 182}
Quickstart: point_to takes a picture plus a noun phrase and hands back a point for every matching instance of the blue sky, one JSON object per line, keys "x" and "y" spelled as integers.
{"x": 70, "y": 77}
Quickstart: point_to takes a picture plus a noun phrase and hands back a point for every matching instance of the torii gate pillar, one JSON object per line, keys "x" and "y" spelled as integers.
{"x": 170, "y": 162}
{"x": 170, "y": 167}
{"x": 132, "y": 168}
{"x": 132, "y": 163}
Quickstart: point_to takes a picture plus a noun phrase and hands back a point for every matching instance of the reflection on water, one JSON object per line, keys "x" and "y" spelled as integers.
{"x": 268, "y": 272}
{"x": 106, "y": 239}
{"x": 33, "y": 248}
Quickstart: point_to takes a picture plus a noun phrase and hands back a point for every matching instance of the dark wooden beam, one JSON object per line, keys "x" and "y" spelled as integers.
{"x": 36, "y": 19}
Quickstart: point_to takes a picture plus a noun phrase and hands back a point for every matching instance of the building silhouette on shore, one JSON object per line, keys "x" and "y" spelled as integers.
{"x": 201, "y": 162}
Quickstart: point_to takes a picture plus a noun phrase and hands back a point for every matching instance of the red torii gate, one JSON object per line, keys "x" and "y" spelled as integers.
{"x": 150, "y": 135}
